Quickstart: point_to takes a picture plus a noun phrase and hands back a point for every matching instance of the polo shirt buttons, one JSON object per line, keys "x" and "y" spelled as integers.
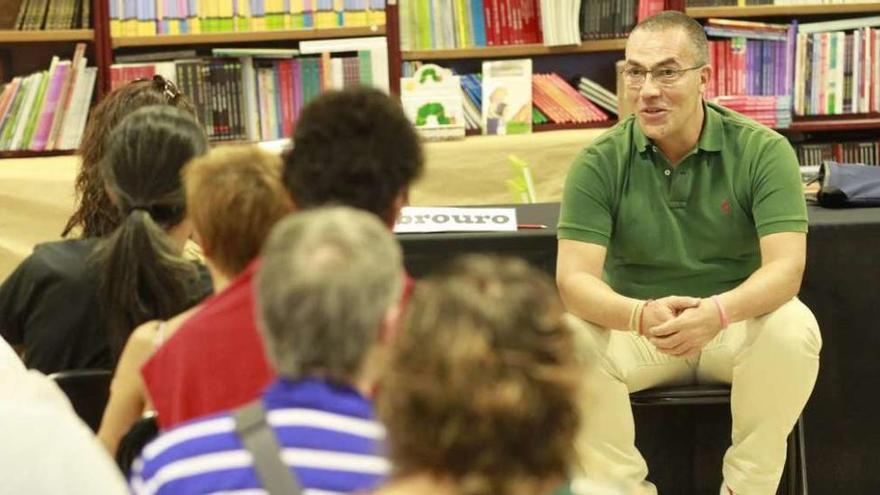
{"x": 667, "y": 172}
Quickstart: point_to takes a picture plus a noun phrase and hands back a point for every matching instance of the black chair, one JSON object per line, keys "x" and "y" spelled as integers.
{"x": 88, "y": 391}
{"x": 796, "y": 461}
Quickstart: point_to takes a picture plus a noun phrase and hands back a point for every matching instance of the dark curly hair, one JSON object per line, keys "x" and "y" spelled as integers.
{"x": 353, "y": 147}
{"x": 95, "y": 214}
{"x": 482, "y": 382}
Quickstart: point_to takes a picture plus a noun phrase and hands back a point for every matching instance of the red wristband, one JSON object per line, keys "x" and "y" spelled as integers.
{"x": 725, "y": 322}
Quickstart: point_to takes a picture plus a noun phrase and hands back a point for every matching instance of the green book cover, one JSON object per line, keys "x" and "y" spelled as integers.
{"x": 14, "y": 114}
{"x": 35, "y": 111}
{"x": 423, "y": 23}
{"x": 365, "y": 67}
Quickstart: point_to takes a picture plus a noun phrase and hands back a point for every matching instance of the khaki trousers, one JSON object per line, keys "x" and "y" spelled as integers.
{"x": 770, "y": 362}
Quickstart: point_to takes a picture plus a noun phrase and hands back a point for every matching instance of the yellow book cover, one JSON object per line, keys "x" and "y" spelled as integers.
{"x": 116, "y": 28}
{"x": 376, "y": 17}
{"x": 462, "y": 27}
{"x": 325, "y": 19}
{"x": 195, "y": 18}
{"x": 173, "y": 26}
{"x": 355, "y": 18}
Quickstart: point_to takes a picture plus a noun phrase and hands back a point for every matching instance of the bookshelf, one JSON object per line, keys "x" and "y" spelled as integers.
{"x": 246, "y": 37}
{"x": 530, "y": 50}
{"x": 55, "y": 36}
{"x": 835, "y": 123}
{"x": 602, "y": 53}
{"x": 782, "y": 10}
{"x": 35, "y": 154}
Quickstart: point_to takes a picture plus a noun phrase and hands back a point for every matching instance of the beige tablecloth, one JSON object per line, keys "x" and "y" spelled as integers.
{"x": 36, "y": 194}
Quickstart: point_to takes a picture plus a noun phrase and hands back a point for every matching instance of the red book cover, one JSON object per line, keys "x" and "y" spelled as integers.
{"x": 723, "y": 64}
{"x": 539, "y": 31}
{"x": 286, "y": 92}
{"x": 591, "y": 111}
{"x": 503, "y": 21}
{"x": 491, "y": 39}
{"x": 545, "y": 103}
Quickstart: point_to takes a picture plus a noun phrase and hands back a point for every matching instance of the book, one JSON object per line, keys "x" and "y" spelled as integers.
{"x": 432, "y": 99}
{"x": 507, "y": 96}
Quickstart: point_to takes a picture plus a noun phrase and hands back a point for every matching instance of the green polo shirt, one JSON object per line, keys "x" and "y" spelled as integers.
{"x": 689, "y": 230}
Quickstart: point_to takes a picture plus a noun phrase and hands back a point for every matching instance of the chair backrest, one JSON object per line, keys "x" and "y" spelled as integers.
{"x": 131, "y": 445}
{"x": 88, "y": 391}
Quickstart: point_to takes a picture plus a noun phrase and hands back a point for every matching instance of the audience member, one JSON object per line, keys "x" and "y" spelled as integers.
{"x": 234, "y": 196}
{"x": 46, "y": 449}
{"x": 354, "y": 147}
{"x": 480, "y": 392}
{"x": 96, "y": 215}
{"x": 327, "y": 294}
{"x": 71, "y": 304}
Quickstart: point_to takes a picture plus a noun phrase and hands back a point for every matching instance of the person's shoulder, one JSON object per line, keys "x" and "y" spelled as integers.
{"x": 617, "y": 136}
{"x": 69, "y": 256}
{"x": 191, "y": 438}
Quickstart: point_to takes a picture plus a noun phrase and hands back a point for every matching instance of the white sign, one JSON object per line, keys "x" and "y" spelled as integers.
{"x": 416, "y": 219}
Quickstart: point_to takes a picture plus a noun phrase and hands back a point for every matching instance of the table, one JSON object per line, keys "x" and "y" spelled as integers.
{"x": 841, "y": 285}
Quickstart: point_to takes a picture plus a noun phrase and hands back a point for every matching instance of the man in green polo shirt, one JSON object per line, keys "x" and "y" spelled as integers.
{"x": 683, "y": 229}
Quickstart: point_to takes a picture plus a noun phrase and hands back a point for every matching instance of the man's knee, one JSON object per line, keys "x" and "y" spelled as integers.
{"x": 791, "y": 329}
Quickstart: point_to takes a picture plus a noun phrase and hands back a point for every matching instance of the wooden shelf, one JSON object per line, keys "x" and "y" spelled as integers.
{"x": 34, "y": 154}
{"x": 824, "y": 123}
{"x": 212, "y": 38}
{"x": 586, "y": 125}
{"x": 549, "y": 127}
{"x": 782, "y": 10}
{"x": 516, "y": 50}
{"x": 15, "y": 36}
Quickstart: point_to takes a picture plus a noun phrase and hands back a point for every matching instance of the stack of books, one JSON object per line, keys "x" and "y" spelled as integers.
{"x": 35, "y": 15}
{"x": 561, "y": 103}
{"x": 472, "y": 92}
{"x": 772, "y": 111}
{"x": 47, "y": 110}
{"x": 814, "y": 154}
{"x": 752, "y": 58}
{"x": 447, "y": 24}
{"x": 149, "y": 17}
{"x": 612, "y": 18}
{"x": 598, "y": 95}
{"x": 838, "y": 67}
{"x": 257, "y": 94}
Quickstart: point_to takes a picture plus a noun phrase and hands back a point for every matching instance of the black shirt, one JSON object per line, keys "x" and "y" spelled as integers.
{"x": 49, "y": 304}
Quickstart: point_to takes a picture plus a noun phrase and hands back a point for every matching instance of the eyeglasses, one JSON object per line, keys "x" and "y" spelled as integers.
{"x": 168, "y": 88}
{"x": 663, "y": 76}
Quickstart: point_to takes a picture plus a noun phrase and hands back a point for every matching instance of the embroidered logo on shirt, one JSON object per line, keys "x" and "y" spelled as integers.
{"x": 725, "y": 207}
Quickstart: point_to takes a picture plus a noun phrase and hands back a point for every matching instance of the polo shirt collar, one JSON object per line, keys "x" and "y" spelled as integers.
{"x": 711, "y": 137}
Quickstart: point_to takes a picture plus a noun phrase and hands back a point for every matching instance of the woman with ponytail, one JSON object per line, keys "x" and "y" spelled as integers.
{"x": 72, "y": 303}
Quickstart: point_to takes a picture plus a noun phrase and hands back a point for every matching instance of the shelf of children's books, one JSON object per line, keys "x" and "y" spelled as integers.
{"x": 605, "y": 124}
{"x": 50, "y": 36}
{"x": 34, "y": 154}
{"x": 824, "y": 123}
{"x": 608, "y": 45}
{"x": 782, "y": 10}
{"x": 245, "y": 37}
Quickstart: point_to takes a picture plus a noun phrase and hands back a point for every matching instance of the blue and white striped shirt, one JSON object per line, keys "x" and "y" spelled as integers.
{"x": 327, "y": 433}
